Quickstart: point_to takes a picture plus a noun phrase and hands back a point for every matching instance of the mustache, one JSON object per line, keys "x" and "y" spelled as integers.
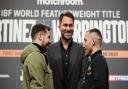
{"x": 68, "y": 31}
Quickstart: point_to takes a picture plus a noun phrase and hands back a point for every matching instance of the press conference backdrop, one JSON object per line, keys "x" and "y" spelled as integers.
{"x": 18, "y": 16}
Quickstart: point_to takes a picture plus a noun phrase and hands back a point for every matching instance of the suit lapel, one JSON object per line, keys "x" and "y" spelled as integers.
{"x": 59, "y": 60}
{"x": 73, "y": 54}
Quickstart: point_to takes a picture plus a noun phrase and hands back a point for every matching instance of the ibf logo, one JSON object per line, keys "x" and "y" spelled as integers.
{"x": 19, "y": 77}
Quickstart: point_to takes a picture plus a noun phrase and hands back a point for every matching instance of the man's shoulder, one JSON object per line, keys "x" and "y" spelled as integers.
{"x": 100, "y": 59}
{"x": 34, "y": 55}
{"x": 54, "y": 44}
{"x": 77, "y": 44}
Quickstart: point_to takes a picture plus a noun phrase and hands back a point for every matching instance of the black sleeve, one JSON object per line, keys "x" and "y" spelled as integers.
{"x": 100, "y": 73}
{"x": 82, "y": 81}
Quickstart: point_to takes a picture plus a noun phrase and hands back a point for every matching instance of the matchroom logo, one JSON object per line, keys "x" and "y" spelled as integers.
{"x": 60, "y": 2}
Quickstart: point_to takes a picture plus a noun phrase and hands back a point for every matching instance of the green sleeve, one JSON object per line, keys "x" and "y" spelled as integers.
{"x": 36, "y": 68}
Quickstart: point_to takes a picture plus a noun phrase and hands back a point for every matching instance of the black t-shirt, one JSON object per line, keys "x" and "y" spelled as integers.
{"x": 97, "y": 72}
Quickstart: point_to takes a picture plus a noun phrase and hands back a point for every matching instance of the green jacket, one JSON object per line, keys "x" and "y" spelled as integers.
{"x": 37, "y": 73}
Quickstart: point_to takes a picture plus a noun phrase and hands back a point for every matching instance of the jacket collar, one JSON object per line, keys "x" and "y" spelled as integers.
{"x": 95, "y": 54}
{"x": 42, "y": 49}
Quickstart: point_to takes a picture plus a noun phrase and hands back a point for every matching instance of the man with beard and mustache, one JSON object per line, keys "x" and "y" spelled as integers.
{"x": 97, "y": 73}
{"x": 66, "y": 56}
{"x": 36, "y": 71}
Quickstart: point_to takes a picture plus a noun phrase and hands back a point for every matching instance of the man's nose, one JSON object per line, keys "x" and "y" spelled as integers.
{"x": 68, "y": 28}
{"x": 83, "y": 44}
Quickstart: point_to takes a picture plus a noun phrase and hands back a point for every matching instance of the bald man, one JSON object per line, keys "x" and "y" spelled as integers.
{"x": 96, "y": 76}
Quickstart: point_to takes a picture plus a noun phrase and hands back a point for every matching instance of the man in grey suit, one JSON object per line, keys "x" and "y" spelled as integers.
{"x": 66, "y": 56}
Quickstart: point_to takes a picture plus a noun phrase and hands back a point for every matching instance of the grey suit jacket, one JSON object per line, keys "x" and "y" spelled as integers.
{"x": 75, "y": 65}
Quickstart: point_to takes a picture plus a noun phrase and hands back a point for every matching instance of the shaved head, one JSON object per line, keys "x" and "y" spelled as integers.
{"x": 96, "y": 35}
{"x": 92, "y": 41}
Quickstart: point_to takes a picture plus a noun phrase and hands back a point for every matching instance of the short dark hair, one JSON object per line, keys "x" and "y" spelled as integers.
{"x": 97, "y": 31}
{"x": 68, "y": 14}
{"x": 37, "y": 28}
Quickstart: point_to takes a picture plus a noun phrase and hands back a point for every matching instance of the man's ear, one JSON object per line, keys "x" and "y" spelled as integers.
{"x": 40, "y": 35}
{"x": 94, "y": 41}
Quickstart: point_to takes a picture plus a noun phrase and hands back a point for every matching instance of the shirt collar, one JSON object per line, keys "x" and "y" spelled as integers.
{"x": 95, "y": 54}
{"x": 42, "y": 49}
{"x": 70, "y": 43}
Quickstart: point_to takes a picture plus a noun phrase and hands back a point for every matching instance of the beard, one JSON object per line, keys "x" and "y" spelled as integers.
{"x": 67, "y": 35}
{"x": 88, "y": 52}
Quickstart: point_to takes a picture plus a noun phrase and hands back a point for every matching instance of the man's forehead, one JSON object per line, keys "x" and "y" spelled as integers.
{"x": 64, "y": 19}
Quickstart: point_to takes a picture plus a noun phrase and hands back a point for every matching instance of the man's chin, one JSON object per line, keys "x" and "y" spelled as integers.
{"x": 68, "y": 38}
